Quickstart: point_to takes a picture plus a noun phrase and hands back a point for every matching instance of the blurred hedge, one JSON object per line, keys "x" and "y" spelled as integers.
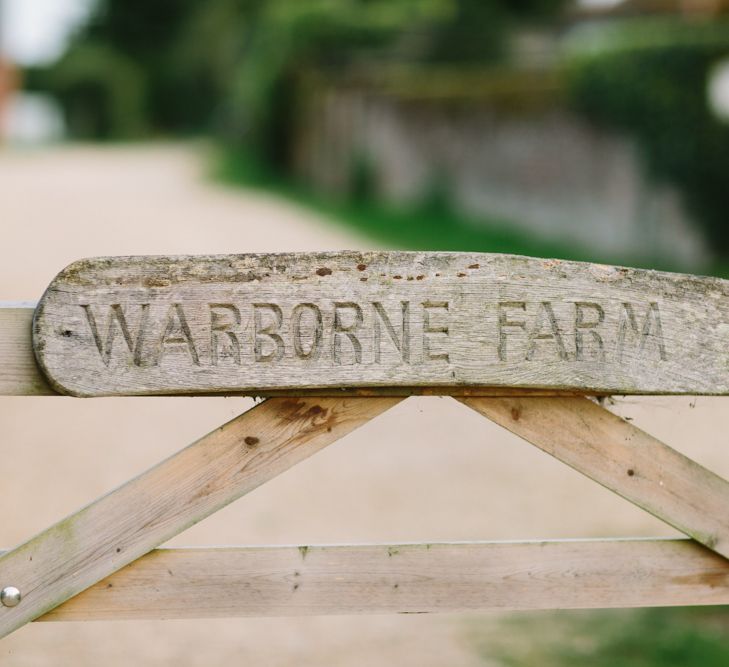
{"x": 649, "y": 80}
{"x": 230, "y": 66}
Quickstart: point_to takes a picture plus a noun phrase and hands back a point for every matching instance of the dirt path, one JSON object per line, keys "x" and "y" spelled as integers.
{"x": 428, "y": 470}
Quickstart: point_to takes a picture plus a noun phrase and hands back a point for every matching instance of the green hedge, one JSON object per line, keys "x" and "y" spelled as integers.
{"x": 649, "y": 80}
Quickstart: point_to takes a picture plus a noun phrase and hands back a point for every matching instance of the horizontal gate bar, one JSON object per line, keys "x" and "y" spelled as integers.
{"x": 19, "y": 373}
{"x": 405, "y": 578}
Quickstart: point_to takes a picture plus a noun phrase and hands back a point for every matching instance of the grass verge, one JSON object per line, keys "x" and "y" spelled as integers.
{"x": 670, "y": 637}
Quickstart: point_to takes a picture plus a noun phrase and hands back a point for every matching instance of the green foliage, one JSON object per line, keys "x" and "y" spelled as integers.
{"x": 437, "y": 198}
{"x": 363, "y": 181}
{"x": 682, "y": 637}
{"x": 146, "y": 33}
{"x": 651, "y": 83}
{"x": 234, "y": 67}
{"x": 102, "y": 90}
{"x": 478, "y": 31}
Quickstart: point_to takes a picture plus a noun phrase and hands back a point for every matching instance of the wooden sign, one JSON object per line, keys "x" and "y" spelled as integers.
{"x": 241, "y": 323}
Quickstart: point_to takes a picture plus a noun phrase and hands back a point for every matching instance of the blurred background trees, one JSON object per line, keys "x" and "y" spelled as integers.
{"x": 229, "y": 66}
{"x": 296, "y": 87}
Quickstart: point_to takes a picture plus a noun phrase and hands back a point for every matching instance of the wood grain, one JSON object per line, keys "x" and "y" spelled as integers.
{"x": 621, "y": 457}
{"x": 404, "y": 578}
{"x": 19, "y": 373}
{"x": 154, "y": 507}
{"x": 166, "y": 325}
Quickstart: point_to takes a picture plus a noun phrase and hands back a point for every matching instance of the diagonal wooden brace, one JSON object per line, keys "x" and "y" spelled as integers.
{"x": 624, "y": 459}
{"x": 127, "y": 523}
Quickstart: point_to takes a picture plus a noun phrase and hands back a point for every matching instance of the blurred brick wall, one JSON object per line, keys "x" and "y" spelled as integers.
{"x": 9, "y": 83}
{"x": 543, "y": 168}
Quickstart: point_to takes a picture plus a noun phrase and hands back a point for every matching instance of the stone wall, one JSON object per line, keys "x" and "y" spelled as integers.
{"x": 544, "y": 170}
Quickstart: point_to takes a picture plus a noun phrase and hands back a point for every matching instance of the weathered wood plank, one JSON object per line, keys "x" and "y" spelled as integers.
{"x": 165, "y": 325}
{"x": 621, "y": 457}
{"x": 409, "y": 578}
{"x": 154, "y": 507}
{"x": 19, "y": 373}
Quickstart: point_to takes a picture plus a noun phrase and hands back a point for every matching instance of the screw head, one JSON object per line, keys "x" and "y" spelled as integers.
{"x": 10, "y": 596}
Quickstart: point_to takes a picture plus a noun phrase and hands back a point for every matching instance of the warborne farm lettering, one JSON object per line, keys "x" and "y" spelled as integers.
{"x": 371, "y": 333}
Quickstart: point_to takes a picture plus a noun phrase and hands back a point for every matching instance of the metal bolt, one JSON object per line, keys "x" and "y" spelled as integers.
{"x": 10, "y": 596}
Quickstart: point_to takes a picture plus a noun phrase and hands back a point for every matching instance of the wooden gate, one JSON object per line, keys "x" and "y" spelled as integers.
{"x": 333, "y": 340}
